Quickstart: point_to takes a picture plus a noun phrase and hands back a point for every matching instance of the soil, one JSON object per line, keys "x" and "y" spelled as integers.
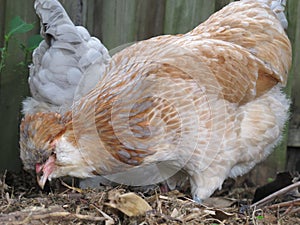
{"x": 23, "y": 202}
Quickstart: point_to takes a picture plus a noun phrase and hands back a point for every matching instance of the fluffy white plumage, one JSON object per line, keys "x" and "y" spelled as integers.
{"x": 277, "y": 6}
{"x": 66, "y": 65}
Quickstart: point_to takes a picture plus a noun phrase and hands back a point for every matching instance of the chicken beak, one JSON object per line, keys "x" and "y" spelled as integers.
{"x": 41, "y": 180}
{"x": 43, "y": 171}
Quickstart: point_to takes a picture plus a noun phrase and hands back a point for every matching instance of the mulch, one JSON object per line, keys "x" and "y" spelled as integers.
{"x": 22, "y": 202}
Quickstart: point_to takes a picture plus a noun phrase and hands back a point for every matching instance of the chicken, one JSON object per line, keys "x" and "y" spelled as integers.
{"x": 66, "y": 65}
{"x": 203, "y": 106}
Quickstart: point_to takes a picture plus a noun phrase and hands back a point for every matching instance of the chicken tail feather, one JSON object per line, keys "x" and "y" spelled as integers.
{"x": 278, "y": 7}
{"x": 52, "y": 16}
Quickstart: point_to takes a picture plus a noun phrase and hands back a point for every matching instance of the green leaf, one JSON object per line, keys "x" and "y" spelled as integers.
{"x": 18, "y": 26}
{"x": 260, "y": 217}
{"x": 1, "y": 49}
{"x": 22, "y": 64}
{"x": 34, "y": 41}
{"x": 6, "y": 37}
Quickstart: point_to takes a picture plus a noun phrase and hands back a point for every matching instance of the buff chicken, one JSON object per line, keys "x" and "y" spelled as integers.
{"x": 66, "y": 65}
{"x": 202, "y": 106}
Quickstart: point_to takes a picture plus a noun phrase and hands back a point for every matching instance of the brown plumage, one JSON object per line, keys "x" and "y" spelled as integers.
{"x": 203, "y": 105}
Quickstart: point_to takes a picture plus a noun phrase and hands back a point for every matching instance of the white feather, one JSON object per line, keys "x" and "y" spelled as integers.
{"x": 68, "y": 62}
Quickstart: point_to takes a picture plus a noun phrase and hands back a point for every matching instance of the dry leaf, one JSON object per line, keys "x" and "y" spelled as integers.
{"x": 130, "y": 204}
{"x": 218, "y": 202}
{"x": 175, "y": 213}
{"x": 218, "y": 214}
{"x": 222, "y": 215}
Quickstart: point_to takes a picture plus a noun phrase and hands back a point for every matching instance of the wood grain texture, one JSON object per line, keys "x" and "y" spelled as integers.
{"x": 182, "y": 16}
{"x": 13, "y": 85}
{"x": 75, "y": 10}
{"x": 2, "y": 19}
{"x": 279, "y": 160}
{"x": 293, "y": 153}
{"x": 150, "y": 18}
{"x": 221, "y": 3}
{"x": 117, "y": 22}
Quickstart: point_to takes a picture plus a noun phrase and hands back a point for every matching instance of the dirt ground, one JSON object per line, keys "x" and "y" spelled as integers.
{"x": 23, "y": 202}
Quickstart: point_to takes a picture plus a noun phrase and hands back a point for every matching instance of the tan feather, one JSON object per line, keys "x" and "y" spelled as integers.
{"x": 206, "y": 103}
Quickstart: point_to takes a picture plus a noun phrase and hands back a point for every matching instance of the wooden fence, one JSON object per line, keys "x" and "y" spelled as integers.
{"x": 118, "y": 22}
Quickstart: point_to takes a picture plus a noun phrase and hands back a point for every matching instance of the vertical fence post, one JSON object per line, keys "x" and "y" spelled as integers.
{"x": 293, "y": 156}
{"x": 13, "y": 82}
{"x": 182, "y": 16}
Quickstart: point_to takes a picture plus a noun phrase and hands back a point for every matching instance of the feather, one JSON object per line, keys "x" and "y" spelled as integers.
{"x": 61, "y": 70}
{"x": 203, "y": 106}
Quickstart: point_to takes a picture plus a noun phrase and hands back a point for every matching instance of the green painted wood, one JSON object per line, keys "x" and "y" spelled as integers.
{"x": 182, "y": 16}
{"x": 219, "y": 4}
{"x": 144, "y": 19}
{"x": 95, "y": 20}
{"x": 115, "y": 21}
{"x": 2, "y": 20}
{"x": 88, "y": 15}
{"x": 294, "y": 35}
{"x": 277, "y": 161}
{"x": 150, "y": 18}
{"x": 13, "y": 86}
{"x": 294, "y": 82}
{"x": 74, "y": 9}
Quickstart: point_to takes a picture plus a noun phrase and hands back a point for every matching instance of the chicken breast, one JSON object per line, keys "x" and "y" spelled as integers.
{"x": 205, "y": 105}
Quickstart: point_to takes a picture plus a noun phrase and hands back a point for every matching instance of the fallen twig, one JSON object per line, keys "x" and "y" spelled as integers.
{"x": 215, "y": 220}
{"x": 71, "y": 188}
{"x": 294, "y": 211}
{"x": 3, "y": 185}
{"x": 289, "y": 209}
{"x": 109, "y": 220}
{"x": 162, "y": 215}
{"x": 295, "y": 202}
{"x": 9, "y": 202}
{"x": 54, "y": 215}
{"x": 59, "y": 215}
{"x": 271, "y": 197}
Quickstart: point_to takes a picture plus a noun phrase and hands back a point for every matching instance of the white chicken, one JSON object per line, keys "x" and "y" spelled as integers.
{"x": 66, "y": 65}
{"x": 205, "y": 105}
